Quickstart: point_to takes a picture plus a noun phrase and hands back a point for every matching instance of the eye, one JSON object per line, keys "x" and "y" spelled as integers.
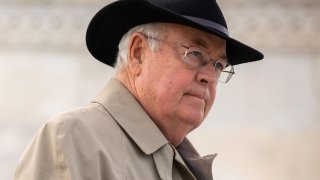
{"x": 196, "y": 57}
{"x": 196, "y": 54}
{"x": 220, "y": 65}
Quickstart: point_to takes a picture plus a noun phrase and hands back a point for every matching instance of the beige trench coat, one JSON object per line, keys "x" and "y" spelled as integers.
{"x": 110, "y": 139}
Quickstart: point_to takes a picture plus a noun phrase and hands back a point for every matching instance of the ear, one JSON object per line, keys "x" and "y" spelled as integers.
{"x": 136, "y": 48}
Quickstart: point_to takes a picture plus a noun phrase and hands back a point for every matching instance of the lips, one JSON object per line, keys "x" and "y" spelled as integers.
{"x": 198, "y": 95}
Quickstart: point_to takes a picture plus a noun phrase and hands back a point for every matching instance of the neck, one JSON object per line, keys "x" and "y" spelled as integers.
{"x": 128, "y": 81}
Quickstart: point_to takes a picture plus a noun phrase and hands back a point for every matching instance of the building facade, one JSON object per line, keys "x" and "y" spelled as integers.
{"x": 265, "y": 123}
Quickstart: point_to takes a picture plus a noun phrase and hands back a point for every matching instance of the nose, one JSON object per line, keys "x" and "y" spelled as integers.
{"x": 207, "y": 74}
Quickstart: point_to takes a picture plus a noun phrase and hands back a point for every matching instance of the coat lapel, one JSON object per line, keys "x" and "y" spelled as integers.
{"x": 130, "y": 115}
{"x": 163, "y": 159}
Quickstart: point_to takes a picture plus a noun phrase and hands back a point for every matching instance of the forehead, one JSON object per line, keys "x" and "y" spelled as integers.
{"x": 196, "y": 37}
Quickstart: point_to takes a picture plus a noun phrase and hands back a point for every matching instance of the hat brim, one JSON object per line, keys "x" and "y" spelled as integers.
{"x": 109, "y": 25}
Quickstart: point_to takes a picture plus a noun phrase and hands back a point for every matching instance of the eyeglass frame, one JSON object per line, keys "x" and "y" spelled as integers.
{"x": 202, "y": 61}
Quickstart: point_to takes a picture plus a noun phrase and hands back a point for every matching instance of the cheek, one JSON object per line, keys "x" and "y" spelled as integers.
{"x": 210, "y": 102}
{"x": 161, "y": 89}
{"x": 168, "y": 92}
{"x": 208, "y": 106}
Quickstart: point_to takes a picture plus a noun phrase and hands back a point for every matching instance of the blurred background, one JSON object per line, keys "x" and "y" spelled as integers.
{"x": 265, "y": 123}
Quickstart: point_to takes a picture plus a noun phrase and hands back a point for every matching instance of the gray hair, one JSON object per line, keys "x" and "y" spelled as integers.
{"x": 151, "y": 29}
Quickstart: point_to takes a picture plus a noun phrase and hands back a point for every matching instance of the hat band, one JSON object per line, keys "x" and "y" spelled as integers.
{"x": 210, "y": 24}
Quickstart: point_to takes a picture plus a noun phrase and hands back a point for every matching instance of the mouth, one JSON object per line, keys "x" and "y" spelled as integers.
{"x": 198, "y": 96}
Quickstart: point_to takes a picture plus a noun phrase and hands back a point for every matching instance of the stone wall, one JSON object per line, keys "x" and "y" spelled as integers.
{"x": 264, "y": 124}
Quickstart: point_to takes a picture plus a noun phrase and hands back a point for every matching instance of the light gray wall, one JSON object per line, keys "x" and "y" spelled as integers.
{"x": 264, "y": 124}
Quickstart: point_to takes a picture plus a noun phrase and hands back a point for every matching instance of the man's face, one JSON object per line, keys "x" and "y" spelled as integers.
{"x": 173, "y": 94}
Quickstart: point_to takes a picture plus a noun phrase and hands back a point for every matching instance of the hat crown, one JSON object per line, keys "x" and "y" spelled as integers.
{"x": 109, "y": 25}
{"x": 206, "y": 9}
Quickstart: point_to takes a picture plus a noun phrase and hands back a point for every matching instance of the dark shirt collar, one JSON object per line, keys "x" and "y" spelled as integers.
{"x": 201, "y": 167}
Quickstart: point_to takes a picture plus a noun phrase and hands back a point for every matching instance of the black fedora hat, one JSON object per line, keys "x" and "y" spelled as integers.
{"x": 109, "y": 25}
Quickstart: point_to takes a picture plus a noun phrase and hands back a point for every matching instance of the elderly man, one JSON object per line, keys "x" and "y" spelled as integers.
{"x": 170, "y": 57}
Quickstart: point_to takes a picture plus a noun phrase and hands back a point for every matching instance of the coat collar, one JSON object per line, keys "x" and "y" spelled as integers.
{"x": 130, "y": 115}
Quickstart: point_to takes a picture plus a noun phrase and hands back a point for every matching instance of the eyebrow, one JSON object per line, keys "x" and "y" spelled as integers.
{"x": 224, "y": 56}
{"x": 202, "y": 43}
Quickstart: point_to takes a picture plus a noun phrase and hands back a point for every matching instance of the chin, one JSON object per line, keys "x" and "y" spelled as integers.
{"x": 193, "y": 120}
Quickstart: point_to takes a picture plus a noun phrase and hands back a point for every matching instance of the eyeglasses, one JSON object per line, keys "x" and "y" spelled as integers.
{"x": 198, "y": 57}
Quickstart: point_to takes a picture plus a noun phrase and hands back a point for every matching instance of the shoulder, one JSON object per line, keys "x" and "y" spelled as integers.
{"x": 71, "y": 143}
{"x": 91, "y": 112}
{"x": 90, "y": 121}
